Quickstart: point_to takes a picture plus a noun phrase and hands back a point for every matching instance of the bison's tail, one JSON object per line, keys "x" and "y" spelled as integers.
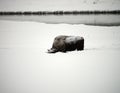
{"x": 80, "y": 44}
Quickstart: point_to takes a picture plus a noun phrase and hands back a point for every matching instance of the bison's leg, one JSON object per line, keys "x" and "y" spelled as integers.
{"x": 80, "y": 44}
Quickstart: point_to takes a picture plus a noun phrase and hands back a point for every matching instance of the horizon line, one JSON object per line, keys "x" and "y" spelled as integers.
{"x": 59, "y": 12}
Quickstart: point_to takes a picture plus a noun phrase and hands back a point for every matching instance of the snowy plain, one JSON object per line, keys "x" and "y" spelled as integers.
{"x": 25, "y": 67}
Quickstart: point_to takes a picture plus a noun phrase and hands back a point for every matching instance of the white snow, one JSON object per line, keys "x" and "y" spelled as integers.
{"x": 25, "y": 67}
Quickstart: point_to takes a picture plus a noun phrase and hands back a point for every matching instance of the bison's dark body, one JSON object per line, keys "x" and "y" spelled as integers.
{"x": 64, "y": 43}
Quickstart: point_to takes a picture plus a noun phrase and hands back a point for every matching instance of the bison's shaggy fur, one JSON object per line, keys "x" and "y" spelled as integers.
{"x": 64, "y": 43}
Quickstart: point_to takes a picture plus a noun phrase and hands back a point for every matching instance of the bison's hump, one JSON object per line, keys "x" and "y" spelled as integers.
{"x": 73, "y": 39}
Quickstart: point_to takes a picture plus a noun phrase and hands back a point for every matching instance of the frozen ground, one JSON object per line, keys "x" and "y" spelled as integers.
{"x": 100, "y": 19}
{"x": 25, "y": 67}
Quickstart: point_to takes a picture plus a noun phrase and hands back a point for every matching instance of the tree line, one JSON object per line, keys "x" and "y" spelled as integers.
{"x": 57, "y": 12}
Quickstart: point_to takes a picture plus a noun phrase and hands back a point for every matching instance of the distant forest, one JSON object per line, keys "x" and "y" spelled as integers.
{"x": 57, "y": 12}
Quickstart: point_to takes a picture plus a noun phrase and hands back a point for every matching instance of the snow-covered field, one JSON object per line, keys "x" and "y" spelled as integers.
{"x": 25, "y": 67}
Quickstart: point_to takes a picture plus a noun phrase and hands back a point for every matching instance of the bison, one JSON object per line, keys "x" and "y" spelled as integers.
{"x": 65, "y": 43}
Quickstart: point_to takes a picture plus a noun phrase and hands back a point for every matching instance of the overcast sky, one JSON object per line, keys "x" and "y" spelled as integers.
{"x": 18, "y": 5}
